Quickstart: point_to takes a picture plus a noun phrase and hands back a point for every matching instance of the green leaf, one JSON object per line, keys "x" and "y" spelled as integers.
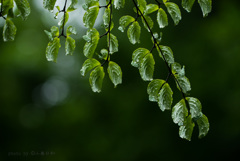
{"x": 134, "y": 32}
{"x": 91, "y": 45}
{"x": 23, "y": 7}
{"x": 63, "y": 20}
{"x": 69, "y": 45}
{"x": 153, "y": 89}
{"x": 6, "y": 6}
{"x": 150, "y": 8}
{"x": 186, "y": 130}
{"x": 195, "y": 108}
{"x": 162, "y": 18}
{"x": 124, "y": 21}
{"x": 168, "y": 54}
{"x": 174, "y": 11}
{"x": 71, "y": 30}
{"x": 54, "y": 31}
{"x": 142, "y": 4}
{"x": 203, "y": 126}
{"x": 177, "y": 69}
{"x": 113, "y": 43}
{"x": 96, "y": 79}
{"x": 72, "y": 6}
{"x": 115, "y": 73}
{"x": 90, "y": 3}
{"x": 9, "y": 30}
{"x": 88, "y": 65}
{"x": 138, "y": 55}
{"x": 90, "y": 16}
{"x": 179, "y": 113}
{"x": 184, "y": 84}
{"x": 49, "y": 4}
{"x": 52, "y": 49}
{"x": 147, "y": 67}
{"x": 165, "y": 97}
{"x": 103, "y": 54}
{"x": 119, "y": 3}
{"x": 206, "y": 6}
{"x": 149, "y": 22}
{"x": 187, "y": 4}
{"x": 106, "y": 18}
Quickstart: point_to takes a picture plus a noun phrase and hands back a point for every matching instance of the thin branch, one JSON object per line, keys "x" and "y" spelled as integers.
{"x": 1, "y": 12}
{"x": 109, "y": 33}
{"x": 159, "y": 3}
{"x": 64, "y": 17}
{"x": 156, "y": 43}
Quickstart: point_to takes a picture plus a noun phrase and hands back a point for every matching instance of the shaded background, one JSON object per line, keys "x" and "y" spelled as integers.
{"x": 49, "y": 111}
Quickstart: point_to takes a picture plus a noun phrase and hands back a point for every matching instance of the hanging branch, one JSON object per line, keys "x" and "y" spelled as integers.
{"x": 164, "y": 59}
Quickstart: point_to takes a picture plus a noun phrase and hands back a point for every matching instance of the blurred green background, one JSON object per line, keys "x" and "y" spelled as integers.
{"x": 49, "y": 111}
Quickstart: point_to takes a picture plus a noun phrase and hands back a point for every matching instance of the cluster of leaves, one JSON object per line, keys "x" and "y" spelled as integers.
{"x": 188, "y": 111}
{"x": 7, "y": 12}
{"x": 54, "y": 34}
{"x": 92, "y": 38}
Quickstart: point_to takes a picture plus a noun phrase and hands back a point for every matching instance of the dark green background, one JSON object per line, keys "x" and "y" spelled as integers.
{"x": 48, "y": 107}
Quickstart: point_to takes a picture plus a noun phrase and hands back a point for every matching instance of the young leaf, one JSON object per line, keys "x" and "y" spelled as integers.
{"x": 52, "y": 49}
{"x": 103, "y": 54}
{"x": 91, "y": 45}
{"x": 153, "y": 89}
{"x": 203, "y": 126}
{"x": 72, "y": 6}
{"x": 9, "y": 30}
{"x": 162, "y": 18}
{"x": 90, "y": 16}
{"x": 88, "y": 65}
{"x": 96, "y": 79}
{"x": 168, "y": 54}
{"x": 69, "y": 45}
{"x": 23, "y": 7}
{"x": 195, "y": 108}
{"x": 147, "y": 67}
{"x": 124, "y": 21}
{"x": 138, "y": 55}
{"x": 54, "y": 31}
{"x": 115, "y": 73}
{"x": 106, "y": 18}
{"x": 174, "y": 11}
{"x": 90, "y": 3}
{"x": 71, "y": 30}
{"x": 179, "y": 113}
{"x": 150, "y": 8}
{"x": 187, "y": 4}
{"x": 134, "y": 32}
{"x": 49, "y": 4}
{"x": 165, "y": 97}
{"x": 119, "y": 3}
{"x": 6, "y": 6}
{"x": 177, "y": 69}
{"x": 186, "y": 130}
{"x": 113, "y": 43}
{"x": 206, "y": 6}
